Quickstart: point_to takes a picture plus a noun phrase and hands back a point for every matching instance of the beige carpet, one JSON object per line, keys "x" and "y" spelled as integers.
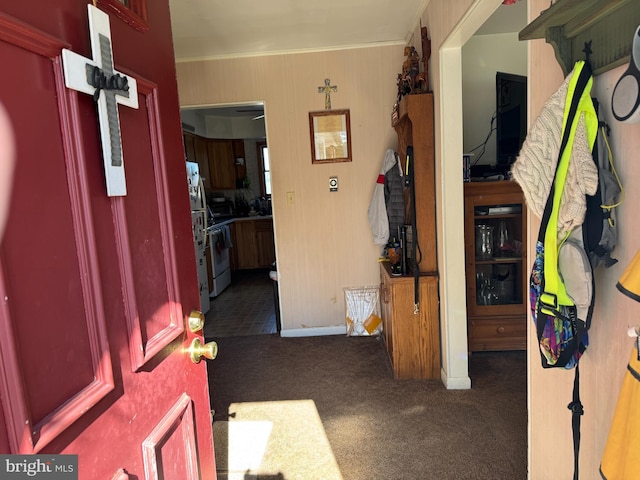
{"x": 273, "y": 440}
{"x": 372, "y": 426}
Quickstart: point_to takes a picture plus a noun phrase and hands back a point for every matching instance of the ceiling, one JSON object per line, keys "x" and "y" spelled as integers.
{"x": 210, "y": 29}
{"x": 220, "y": 28}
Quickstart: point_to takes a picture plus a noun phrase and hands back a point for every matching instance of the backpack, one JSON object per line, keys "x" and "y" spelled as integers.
{"x": 561, "y": 293}
{"x": 599, "y": 227}
{"x": 587, "y": 247}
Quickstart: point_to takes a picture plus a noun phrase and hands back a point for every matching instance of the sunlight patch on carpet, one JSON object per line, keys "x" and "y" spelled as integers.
{"x": 283, "y": 439}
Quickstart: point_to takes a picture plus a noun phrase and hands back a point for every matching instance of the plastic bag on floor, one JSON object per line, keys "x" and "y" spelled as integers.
{"x": 363, "y": 311}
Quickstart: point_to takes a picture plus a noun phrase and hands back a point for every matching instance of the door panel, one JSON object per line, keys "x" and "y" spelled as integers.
{"x": 173, "y": 437}
{"x": 147, "y": 271}
{"x": 37, "y": 279}
{"x": 95, "y": 290}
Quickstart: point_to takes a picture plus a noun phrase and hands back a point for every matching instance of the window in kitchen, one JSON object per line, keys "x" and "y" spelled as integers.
{"x": 132, "y": 12}
{"x": 265, "y": 169}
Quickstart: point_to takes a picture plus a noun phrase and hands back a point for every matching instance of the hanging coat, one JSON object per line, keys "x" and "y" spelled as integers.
{"x": 377, "y": 212}
{"x": 621, "y": 457}
{"x": 394, "y": 199}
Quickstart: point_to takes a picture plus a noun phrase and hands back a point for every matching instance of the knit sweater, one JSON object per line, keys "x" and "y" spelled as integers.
{"x": 536, "y": 164}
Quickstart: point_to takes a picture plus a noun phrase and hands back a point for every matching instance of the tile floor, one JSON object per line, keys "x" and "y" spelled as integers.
{"x": 246, "y": 307}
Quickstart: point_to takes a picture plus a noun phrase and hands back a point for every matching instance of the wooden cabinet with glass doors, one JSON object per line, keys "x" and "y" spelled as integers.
{"x": 497, "y": 275}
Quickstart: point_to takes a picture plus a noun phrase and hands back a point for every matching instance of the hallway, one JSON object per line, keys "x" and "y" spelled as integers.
{"x": 246, "y": 307}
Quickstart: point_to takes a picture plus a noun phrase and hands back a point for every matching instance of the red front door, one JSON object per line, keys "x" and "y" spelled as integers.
{"x": 95, "y": 291}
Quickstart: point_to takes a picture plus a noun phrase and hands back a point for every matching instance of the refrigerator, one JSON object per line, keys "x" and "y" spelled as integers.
{"x": 199, "y": 225}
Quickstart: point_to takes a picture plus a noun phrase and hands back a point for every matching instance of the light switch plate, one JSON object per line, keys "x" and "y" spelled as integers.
{"x": 333, "y": 184}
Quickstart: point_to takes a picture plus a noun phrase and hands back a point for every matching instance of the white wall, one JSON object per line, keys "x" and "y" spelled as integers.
{"x": 213, "y": 126}
{"x": 482, "y": 57}
{"x": 196, "y": 120}
{"x": 235, "y": 127}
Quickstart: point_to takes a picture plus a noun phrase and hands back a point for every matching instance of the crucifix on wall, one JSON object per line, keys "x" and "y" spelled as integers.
{"x": 327, "y": 89}
{"x": 109, "y": 88}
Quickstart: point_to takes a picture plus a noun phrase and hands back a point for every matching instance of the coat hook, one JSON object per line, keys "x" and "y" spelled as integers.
{"x": 587, "y": 52}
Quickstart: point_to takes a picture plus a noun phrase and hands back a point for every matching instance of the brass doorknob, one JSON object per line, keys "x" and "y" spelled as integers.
{"x": 197, "y": 350}
{"x": 196, "y": 321}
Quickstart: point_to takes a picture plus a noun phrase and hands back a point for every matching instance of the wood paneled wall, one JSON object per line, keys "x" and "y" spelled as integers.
{"x": 323, "y": 239}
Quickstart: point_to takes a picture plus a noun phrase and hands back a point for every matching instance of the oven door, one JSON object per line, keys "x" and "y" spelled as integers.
{"x": 220, "y": 262}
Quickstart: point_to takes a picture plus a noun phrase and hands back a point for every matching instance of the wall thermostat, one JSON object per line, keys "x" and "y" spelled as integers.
{"x": 333, "y": 184}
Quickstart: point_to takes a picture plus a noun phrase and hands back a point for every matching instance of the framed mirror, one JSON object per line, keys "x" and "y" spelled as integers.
{"x": 330, "y": 136}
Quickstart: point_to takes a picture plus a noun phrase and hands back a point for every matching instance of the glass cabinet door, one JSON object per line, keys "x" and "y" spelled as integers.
{"x": 498, "y": 255}
{"x": 495, "y": 232}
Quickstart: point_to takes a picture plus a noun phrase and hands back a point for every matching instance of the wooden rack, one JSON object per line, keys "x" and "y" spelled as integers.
{"x": 606, "y": 27}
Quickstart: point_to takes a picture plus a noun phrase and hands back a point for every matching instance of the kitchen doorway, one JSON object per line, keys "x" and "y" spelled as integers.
{"x": 248, "y": 306}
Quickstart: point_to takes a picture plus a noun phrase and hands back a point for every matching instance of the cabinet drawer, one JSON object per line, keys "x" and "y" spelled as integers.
{"x": 507, "y": 333}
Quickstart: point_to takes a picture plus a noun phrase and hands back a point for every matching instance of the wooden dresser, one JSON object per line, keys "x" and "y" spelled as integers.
{"x": 412, "y": 338}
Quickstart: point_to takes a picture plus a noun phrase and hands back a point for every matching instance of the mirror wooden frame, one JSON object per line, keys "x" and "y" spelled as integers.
{"x": 330, "y": 132}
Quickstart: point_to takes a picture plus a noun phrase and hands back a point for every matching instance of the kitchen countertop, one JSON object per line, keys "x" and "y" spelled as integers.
{"x": 253, "y": 217}
{"x": 238, "y": 219}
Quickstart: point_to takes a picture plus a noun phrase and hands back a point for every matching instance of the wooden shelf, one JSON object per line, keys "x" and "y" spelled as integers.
{"x": 412, "y": 336}
{"x": 569, "y": 24}
{"x": 414, "y": 128}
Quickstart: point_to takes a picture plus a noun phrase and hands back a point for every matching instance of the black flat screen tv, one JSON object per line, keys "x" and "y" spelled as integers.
{"x": 511, "y": 116}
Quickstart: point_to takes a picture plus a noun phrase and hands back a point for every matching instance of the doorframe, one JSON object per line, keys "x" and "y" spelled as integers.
{"x": 455, "y": 358}
{"x": 261, "y": 173}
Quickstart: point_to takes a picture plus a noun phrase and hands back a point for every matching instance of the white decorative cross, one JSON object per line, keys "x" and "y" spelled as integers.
{"x": 109, "y": 88}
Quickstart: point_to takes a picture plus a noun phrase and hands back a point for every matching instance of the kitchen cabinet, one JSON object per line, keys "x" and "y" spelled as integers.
{"x": 240, "y": 167}
{"x": 195, "y": 148}
{"x": 216, "y": 159}
{"x": 221, "y": 164}
{"x": 233, "y": 251}
{"x": 496, "y": 271}
{"x": 254, "y": 245}
{"x": 265, "y": 243}
{"x": 412, "y": 336}
{"x": 412, "y": 339}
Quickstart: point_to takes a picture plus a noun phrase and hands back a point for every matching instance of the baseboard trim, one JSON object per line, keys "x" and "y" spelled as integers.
{"x": 314, "y": 331}
{"x": 455, "y": 383}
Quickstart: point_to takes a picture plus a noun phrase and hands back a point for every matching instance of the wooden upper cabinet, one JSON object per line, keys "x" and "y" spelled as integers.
{"x": 195, "y": 148}
{"x": 189, "y": 146}
{"x": 240, "y": 168}
{"x": 202, "y": 158}
{"x": 221, "y": 164}
{"x": 216, "y": 159}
